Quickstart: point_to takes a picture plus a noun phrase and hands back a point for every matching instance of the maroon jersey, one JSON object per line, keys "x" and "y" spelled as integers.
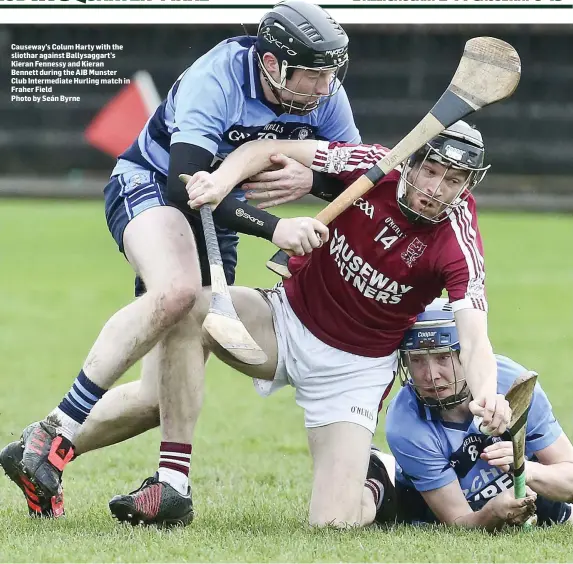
{"x": 363, "y": 289}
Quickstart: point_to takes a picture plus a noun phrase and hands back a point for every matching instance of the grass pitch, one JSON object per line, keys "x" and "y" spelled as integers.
{"x": 62, "y": 277}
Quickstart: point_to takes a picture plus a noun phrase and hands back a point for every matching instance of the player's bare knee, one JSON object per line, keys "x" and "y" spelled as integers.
{"x": 175, "y": 301}
{"x": 182, "y": 297}
{"x": 339, "y": 519}
{"x": 333, "y": 512}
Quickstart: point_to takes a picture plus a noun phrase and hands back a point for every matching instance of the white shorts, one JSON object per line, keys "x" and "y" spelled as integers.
{"x": 331, "y": 385}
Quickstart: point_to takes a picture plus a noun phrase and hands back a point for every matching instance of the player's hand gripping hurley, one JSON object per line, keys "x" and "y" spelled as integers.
{"x": 519, "y": 397}
{"x": 222, "y": 321}
{"x": 488, "y": 72}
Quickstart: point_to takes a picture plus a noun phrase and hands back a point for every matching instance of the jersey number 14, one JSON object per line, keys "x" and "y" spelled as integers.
{"x": 387, "y": 241}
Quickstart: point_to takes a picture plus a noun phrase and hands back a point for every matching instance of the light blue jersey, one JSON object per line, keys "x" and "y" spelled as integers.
{"x": 431, "y": 453}
{"x": 218, "y": 104}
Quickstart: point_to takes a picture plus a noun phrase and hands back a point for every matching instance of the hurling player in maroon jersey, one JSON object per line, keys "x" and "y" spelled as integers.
{"x": 331, "y": 331}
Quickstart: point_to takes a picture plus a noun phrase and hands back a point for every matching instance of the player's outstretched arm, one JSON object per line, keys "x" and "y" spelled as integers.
{"x": 451, "y": 508}
{"x": 289, "y": 182}
{"x": 246, "y": 161}
{"x": 480, "y": 369}
{"x": 299, "y": 235}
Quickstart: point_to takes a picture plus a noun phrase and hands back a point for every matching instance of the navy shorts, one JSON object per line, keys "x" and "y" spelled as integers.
{"x": 129, "y": 194}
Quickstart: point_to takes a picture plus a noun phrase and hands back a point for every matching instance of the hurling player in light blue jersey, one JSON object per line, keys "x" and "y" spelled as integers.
{"x": 285, "y": 83}
{"x": 446, "y": 469}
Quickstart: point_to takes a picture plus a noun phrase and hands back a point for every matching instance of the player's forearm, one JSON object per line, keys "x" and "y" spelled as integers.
{"x": 241, "y": 217}
{"x": 485, "y": 518}
{"x": 553, "y": 481}
{"x": 480, "y": 369}
{"x": 254, "y": 157}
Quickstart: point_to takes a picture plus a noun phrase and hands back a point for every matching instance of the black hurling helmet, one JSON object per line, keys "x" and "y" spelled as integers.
{"x": 461, "y": 147}
{"x": 434, "y": 333}
{"x": 303, "y": 36}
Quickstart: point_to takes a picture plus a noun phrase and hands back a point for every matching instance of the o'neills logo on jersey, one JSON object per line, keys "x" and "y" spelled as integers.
{"x": 367, "y": 280}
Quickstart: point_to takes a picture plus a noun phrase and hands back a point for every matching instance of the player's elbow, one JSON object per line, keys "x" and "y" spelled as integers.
{"x": 184, "y": 159}
{"x": 176, "y": 194}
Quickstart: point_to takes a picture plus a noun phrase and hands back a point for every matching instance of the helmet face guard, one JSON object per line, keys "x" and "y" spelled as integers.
{"x": 304, "y": 101}
{"x": 433, "y": 339}
{"x": 453, "y": 149}
{"x": 432, "y": 395}
{"x": 303, "y": 37}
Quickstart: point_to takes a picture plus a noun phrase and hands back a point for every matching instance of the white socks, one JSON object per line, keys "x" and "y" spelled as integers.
{"x": 65, "y": 425}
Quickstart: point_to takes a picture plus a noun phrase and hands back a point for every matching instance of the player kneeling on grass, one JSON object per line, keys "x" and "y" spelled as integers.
{"x": 447, "y": 470}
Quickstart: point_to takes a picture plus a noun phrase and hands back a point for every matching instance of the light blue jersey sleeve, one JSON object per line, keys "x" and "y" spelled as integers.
{"x": 415, "y": 446}
{"x": 542, "y": 427}
{"x": 336, "y": 121}
{"x": 207, "y": 102}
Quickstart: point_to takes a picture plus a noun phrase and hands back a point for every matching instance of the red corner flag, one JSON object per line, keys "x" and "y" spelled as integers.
{"x": 120, "y": 121}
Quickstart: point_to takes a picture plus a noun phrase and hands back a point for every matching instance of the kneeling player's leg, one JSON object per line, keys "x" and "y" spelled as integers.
{"x": 340, "y": 458}
{"x": 353, "y": 481}
{"x": 180, "y": 388}
{"x": 344, "y": 493}
{"x": 340, "y": 393}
